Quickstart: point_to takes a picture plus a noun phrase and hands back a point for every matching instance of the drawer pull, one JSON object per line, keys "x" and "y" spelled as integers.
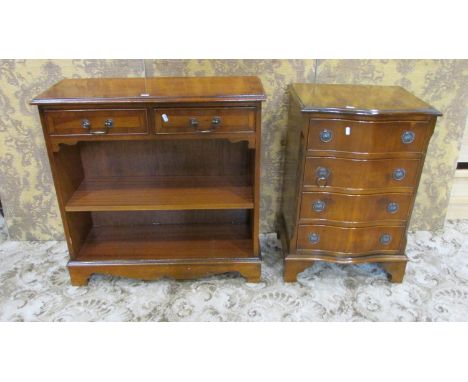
{"x": 322, "y": 174}
{"x": 314, "y": 237}
{"x": 215, "y": 122}
{"x": 108, "y": 123}
{"x": 392, "y": 207}
{"x": 407, "y": 137}
{"x": 318, "y": 206}
{"x": 385, "y": 238}
{"x": 85, "y": 124}
{"x": 326, "y": 136}
{"x": 193, "y": 122}
{"x": 399, "y": 174}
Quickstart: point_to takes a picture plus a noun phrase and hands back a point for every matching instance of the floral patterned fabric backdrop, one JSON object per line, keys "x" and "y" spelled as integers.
{"x": 26, "y": 187}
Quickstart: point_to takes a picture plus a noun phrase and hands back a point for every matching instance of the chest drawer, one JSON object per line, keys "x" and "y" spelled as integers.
{"x": 204, "y": 120}
{"x": 325, "y": 173}
{"x": 96, "y": 122}
{"x": 349, "y": 241}
{"x": 327, "y": 206}
{"x": 367, "y": 136}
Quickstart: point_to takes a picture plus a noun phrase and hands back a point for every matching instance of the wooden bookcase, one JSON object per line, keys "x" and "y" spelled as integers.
{"x": 157, "y": 177}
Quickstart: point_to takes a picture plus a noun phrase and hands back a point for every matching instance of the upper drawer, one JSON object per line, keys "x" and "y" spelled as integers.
{"x": 96, "y": 122}
{"x": 361, "y": 175}
{"x": 204, "y": 120}
{"x": 367, "y": 136}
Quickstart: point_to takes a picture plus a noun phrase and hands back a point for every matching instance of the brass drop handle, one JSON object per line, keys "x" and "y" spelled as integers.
{"x": 108, "y": 123}
{"x": 215, "y": 122}
{"x": 193, "y": 122}
{"x": 86, "y": 124}
{"x": 322, "y": 174}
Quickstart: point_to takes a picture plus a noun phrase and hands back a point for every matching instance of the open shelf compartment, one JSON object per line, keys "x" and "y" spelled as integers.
{"x": 167, "y": 242}
{"x": 176, "y": 193}
{"x": 156, "y": 175}
{"x": 164, "y": 235}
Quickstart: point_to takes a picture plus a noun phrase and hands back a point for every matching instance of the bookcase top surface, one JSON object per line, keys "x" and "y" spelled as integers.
{"x": 358, "y": 99}
{"x": 153, "y": 90}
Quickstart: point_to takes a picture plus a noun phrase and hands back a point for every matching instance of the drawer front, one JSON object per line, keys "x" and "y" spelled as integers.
{"x": 204, "y": 120}
{"x": 355, "y": 208}
{"x": 350, "y": 241}
{"x": 358, "y": 174}
{"x": 96, "y": 122}
{"x": 367, "y": 136}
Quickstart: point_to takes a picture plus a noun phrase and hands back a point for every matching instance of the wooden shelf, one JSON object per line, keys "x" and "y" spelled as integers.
{"x": 169, "y": 242}
{"x": 171, "y": 193}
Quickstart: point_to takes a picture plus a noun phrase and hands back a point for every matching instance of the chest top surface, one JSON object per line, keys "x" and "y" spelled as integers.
{"x": 153, "y": 90}
{"x": 359, "y": 99}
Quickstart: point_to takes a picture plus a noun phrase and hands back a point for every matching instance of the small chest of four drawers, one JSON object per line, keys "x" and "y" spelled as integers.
{"x": 354, "y": 157}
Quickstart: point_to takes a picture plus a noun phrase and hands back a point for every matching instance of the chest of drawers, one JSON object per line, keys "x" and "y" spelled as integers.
{"x": 354, "y": 158}
{"x": 157, "y": 177}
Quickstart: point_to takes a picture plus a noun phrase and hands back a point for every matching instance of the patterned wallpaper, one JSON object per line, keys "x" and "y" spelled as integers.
{"x": 26, "y": 188}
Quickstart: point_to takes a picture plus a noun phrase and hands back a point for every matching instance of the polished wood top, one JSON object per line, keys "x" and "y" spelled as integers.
{"x": 359, "y": 99}
{"x": 156, "y": 90}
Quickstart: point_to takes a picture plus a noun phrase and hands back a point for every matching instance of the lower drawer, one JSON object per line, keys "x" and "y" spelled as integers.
{"x": 328, "y": 206}
{"x": 349, "y": 241}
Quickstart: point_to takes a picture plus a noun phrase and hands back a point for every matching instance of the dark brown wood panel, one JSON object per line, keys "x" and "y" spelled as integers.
{"x": 93, "y": 122}
{"x": 349, "y": 241}
{"x": 357, "y": 209}
{"x": 173, "y": 158}
{"x": 133, "y": 218}
{"x": 208, "y": 120}
{"x": 293, "y": 170}
{"x": 383, "y": 137}
{"x": 357, "y": 175}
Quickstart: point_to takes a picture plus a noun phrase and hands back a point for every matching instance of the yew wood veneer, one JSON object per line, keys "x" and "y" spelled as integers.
{"x": 157, "y": 177}
{"x": 354, "y": 158}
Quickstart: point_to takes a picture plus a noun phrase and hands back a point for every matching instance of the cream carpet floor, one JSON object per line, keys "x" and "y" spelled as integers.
{"x": 34, "y": 286}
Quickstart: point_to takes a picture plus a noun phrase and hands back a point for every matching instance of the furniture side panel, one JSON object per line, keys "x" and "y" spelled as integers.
{"x": 293, "y": 170}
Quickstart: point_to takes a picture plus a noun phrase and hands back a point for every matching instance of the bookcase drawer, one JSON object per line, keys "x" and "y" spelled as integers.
{"x": 96, "y": 122}
{"x": 204, "y": 120}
